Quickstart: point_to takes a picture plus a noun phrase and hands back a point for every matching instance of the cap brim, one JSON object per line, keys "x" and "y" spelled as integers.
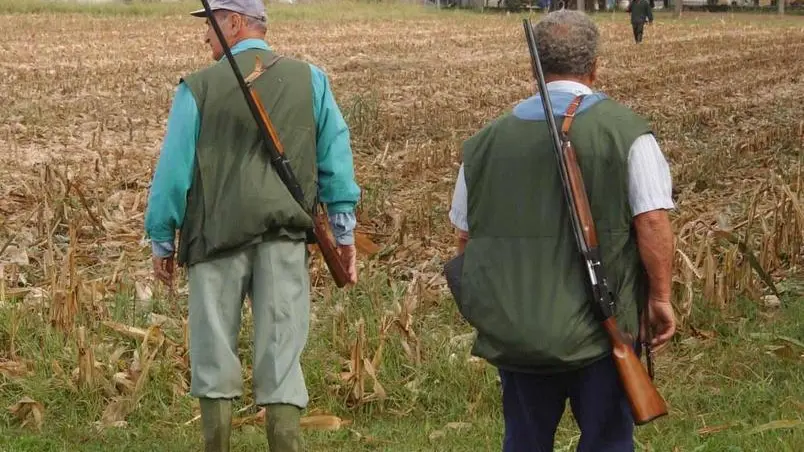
{"x": 203, "y": 13}
{"x": 200, "y": 13}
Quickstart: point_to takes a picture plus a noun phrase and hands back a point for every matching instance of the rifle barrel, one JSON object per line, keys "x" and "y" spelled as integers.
{"x": 536, "y": 65}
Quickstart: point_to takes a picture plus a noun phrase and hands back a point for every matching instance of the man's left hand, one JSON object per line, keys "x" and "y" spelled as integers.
{"x": 348, "y": 254}
{"x": 163, "y": 269}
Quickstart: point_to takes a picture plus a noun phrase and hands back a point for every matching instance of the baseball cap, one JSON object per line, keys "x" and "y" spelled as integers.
{"x": 253, "y": 8}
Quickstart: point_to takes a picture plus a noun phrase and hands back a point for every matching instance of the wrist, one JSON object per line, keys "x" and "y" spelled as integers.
{"x": 162, "y": 249}
{"x": 345, "y": 238}
{"x": 663, "y": 299}
{"x": 343, "y": 225}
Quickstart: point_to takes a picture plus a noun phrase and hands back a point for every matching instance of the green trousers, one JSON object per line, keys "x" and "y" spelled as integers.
{"x": 275, "y": 276}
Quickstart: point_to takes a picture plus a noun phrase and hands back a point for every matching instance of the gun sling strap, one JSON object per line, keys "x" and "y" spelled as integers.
{"x": 569, "y": 116}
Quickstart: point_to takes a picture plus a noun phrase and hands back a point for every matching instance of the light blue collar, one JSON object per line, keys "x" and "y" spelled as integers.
{"x": 246, "y": 44}
{"x": 562, "y": 92}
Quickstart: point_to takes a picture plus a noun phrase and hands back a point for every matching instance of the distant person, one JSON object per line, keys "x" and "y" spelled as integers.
{"x": 522, "y": 284}
{"x": 241, "y": 230}
{"x": 641, "y": 12}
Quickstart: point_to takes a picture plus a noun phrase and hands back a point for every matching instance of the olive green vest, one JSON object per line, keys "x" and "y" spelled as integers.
{"x": 524, "y": 285}
{"x": 236, "y": 198}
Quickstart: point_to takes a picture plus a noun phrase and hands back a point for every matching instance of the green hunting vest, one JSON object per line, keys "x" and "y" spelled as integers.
{"x": 524, "y": 282}
{"x": 236, "y": 198}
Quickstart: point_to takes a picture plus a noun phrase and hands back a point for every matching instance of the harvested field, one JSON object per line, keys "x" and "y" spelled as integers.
{"x": 85, "y": 99}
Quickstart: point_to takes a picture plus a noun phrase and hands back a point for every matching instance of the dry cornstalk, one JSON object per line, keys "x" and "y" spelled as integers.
{"x": 358, "y": 366}
{"x": 139, "y": 334}
{"x": 13, "y": 369}
{"x": 86, "y": 359}
{"x": 122, "y": 406}
{"x": 65, "y": 295}
{"x": 404, "y": 320}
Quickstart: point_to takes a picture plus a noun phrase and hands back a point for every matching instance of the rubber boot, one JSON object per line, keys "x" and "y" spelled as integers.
{"x": 282, "y": 427}
{"x": 216, "y": 422}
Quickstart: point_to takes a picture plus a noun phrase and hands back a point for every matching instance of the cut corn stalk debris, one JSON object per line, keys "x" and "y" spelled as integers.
{"x": 358, "y": 367}
{"x": 79, "y": 152}
{"x": 28, "y": 412}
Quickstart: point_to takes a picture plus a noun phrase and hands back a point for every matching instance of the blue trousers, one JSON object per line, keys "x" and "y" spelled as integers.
{"x": 533, "y": 405}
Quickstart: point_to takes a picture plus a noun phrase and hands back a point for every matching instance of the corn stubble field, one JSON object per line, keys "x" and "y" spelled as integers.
{"x": 93, "y": 353}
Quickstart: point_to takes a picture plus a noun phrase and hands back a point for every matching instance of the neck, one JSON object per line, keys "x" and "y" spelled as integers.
{"x": 568, "y": 78}
{"x": 240, "y": 38}
{"x": 251, "y": 34}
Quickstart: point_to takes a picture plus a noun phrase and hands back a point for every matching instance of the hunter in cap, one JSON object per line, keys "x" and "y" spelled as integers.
{"x": 241, "y": 232}
{"x": 523, "y": 284}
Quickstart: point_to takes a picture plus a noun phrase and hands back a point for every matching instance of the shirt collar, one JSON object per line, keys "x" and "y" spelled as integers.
{"x": 246, "y": 44}
{"x": 569, "y": 86}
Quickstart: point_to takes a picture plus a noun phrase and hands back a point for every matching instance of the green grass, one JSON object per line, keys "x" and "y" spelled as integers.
{"x": 743, "y": 373}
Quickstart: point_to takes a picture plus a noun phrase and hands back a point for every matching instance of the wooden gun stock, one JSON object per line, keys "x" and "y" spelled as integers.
{"x": 645, "y": 401}
{"x": 328, "y": 250}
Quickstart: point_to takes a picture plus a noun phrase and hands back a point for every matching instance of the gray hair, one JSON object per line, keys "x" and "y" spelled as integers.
{"x": 255, "y": 24}
{"x": 567, "y": 42}
{"x": 252, "y": 23}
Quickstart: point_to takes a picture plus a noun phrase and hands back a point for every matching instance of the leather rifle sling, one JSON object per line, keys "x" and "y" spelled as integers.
{"x": 569, "y": 116}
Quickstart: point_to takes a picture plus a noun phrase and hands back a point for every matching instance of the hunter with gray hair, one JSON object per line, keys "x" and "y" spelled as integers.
{"x": 522, "y": 284}
{"x": 241, "y": 231}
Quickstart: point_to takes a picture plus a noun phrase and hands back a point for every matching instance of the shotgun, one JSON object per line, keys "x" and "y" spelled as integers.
{"x": 320, "y": 233}
{"x": 645, "y": 401}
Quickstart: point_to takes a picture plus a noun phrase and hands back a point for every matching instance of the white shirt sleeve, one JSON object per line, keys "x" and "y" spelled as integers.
{"x": 650, "y": 184}
{"x": 459, "y": 213}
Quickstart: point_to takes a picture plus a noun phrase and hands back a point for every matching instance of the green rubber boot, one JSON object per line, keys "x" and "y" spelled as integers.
{"x": 216, "y": 421}
{"x": 282, "y": 426}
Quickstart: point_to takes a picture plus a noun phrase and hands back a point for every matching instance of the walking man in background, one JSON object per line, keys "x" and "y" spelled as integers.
{"x": 241, "y": 230}
{"x": 523, "y": 285}
{"x": 641, "y": 12}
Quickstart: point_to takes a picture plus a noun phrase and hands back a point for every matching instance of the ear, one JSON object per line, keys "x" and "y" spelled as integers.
{"x": 236, "y": 23}
{"x": 593, "y": 72}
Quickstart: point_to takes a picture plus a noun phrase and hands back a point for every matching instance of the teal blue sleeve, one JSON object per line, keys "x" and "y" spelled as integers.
{"x": 167, "y": 200}
{"x": 336, "y": 177}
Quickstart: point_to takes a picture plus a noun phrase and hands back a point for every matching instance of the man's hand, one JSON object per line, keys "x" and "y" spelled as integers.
{"x": 163, "y": 269}
{"x": 348, "y": 256}
{"x": 662, "y": 321}
{"x": 463, "y": 237}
